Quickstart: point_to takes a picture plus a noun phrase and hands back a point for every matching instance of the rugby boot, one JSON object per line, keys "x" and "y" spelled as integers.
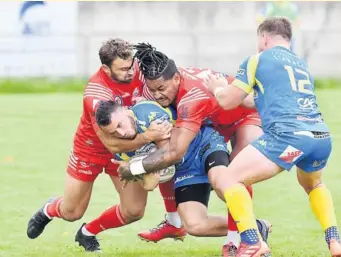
{"x": 253, "y": 250}
{"x": 162, "y": 231}
{"x": 264, "y": 227}
{"x": 89, "y": 243}
{"x": 229, "y": 250}
{"x": 38, "y": 222}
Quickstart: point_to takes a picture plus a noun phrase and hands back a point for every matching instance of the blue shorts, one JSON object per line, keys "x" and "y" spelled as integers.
{"x": 192, "y": 169}
{"x": 307, "y": 150}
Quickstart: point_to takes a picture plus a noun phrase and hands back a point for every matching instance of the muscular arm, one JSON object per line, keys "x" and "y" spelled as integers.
{"x": 249, "y": 102}
{"x": 235, "y": 94}
{"x": 171, "y": 153}
{"x": 118, "y": 145}
{"x": 230, "y": 97}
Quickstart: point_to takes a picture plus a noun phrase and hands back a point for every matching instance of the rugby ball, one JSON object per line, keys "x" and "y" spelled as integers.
{"x": 165, "y": 174}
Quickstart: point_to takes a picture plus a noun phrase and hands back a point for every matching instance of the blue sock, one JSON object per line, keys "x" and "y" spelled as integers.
{"x": 249, "y": 236}
{"x": 332, "y": 233}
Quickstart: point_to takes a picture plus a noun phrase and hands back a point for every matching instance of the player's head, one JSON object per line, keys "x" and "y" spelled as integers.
{"x": 117, "y": 60}
{"x": 161, "y": 74}
{"x": 272, "y": 32}
{"x": 115, "y": 120}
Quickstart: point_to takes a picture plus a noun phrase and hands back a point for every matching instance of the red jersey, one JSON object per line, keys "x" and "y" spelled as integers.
{"x": 195, "y": 103}
{"x": 87, "y": 145}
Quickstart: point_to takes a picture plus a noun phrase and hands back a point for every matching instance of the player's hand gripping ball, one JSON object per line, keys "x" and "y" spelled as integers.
{"x": 164, "y": 174}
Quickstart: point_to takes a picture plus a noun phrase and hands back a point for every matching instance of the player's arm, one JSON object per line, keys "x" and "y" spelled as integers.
{"x": 92, "y": 96}
{"x": 171, "y": 153}
{"x": 118, "y": 145}
{"x": 191, "y": 113}
{"x": 233, "y": 95}
{"x": 249, "y": 102}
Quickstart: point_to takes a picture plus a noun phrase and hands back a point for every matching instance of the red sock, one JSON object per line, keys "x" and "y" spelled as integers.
{"x": 111, "y": 218}
{"x": 167, "y": 192}
{"x": 231, "y": 224}
{"x": 53, "y": 208}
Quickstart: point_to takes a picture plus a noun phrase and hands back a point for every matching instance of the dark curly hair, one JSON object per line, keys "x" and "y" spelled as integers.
{"x": 154, "y": 64}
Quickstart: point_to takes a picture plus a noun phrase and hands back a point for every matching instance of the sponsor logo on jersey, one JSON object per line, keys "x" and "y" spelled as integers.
{"x": 306, "y": 103}
{"x": 316, "y": 120}
{"x": 125, "y": 95}
{"x": 89, "y": 142}
{"x": 86, "y": 172}
{"x": 182, "y": 178}
{"x": 290, "y": 154}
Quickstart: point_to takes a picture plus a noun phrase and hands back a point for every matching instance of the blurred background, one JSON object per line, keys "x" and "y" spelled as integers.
{"x": 61, "y": 39}
{"x": 48, "y": 50}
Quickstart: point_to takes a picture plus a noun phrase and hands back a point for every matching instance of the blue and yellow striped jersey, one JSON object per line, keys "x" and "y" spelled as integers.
{"x": 283, "y": 91}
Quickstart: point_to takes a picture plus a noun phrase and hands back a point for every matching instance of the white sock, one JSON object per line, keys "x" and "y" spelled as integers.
{"x": 232, "y": 237}
{"x": 45, "y": 211}
{"x": 174, "y": 219}
{"x": 86, "y": 232}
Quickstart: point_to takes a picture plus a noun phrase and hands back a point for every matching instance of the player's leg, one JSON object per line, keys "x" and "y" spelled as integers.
{"x": 172, "y": 225}
{"x": 245, "y": 132}
{"x": 309, "y": 175}
{"x": 70, "y": 207}
{"x": 221, "y": 161}
{"x": 192, "y": 201}
{"x": 250, "y": 166}
{"x": 133, "y": 199}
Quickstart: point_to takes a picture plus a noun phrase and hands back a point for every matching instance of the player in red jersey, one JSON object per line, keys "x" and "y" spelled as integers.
{"x": 185, "y": 90}
{"x": 120, "y": 81}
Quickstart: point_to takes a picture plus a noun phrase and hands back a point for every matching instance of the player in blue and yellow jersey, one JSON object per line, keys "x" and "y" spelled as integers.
{"x": 294, "y": 133}
{"x": 194, "y": 171}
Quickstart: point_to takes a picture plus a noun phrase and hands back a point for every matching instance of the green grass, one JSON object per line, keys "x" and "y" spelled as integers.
{"x": 37, "y": 132}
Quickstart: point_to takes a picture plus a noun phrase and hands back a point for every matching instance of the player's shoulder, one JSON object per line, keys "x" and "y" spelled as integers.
{"x": 151, "y": 110}
{"x": 96, "y": 88}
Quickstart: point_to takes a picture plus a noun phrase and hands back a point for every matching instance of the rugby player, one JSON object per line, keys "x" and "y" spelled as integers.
{"x": 191, "y": 195}
{"x": 294, "y": 134}
{"x": 184, "y": 89}
{"x": 120, "y": 81}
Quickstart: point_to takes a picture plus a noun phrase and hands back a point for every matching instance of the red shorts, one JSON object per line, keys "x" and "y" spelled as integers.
{"x": 88, "y": 171}
{"x": 229, "y": 130}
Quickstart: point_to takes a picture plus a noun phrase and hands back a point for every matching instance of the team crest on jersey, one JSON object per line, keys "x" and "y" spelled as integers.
{"x": 118, "y": 99}
{"x": 290, "y": 154}
{"x": 135, "y": 95}
{"x": 184, "y": 112}
{"x": 136, "y": 92}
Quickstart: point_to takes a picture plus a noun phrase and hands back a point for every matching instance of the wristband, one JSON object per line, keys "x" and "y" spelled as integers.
{"x": 136, "y": 168}
{"x": 217, "y": 90}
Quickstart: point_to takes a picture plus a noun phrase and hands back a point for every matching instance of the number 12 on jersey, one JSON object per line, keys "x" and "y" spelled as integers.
{"x": 299, "y": 85}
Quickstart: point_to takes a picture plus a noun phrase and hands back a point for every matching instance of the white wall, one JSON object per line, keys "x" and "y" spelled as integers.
{"x": 217, "y": 35}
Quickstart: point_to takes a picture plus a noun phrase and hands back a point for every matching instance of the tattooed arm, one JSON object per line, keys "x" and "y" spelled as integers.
{"x": 171, "y": 153}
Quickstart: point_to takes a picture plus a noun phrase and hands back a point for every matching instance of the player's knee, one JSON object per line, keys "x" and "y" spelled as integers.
{"x": 309, "y": 181}
{"x": 133, "y": 213}
{"x": 195, "y": 228}
{"x": 72, "y": 214}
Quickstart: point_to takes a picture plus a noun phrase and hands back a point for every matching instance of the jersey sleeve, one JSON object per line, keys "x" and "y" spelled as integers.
{"x": 192, "y": 109}
{"x": 148, "y": 111}
{"x": 246, "y": 75}
{"x": 93, "y": 94}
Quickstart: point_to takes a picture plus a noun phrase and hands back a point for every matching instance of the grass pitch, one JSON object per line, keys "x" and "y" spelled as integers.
{"x": 37, "y": 132}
